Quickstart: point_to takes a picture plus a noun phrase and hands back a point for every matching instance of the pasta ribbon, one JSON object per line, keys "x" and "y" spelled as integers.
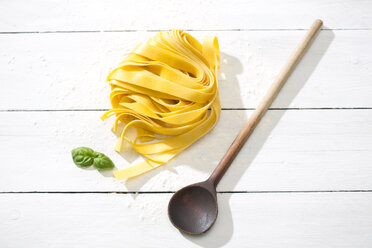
{"x": 167, "y": 89}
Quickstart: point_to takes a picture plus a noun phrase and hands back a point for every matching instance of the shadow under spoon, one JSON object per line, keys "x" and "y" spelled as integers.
{"x": 193, "y": 209}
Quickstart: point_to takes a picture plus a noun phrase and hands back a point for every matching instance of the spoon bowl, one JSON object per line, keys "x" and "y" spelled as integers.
{"x": 193, "y": 209}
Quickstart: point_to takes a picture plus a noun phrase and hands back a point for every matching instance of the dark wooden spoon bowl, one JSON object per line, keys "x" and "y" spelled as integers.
{"x": 193, "y": 209}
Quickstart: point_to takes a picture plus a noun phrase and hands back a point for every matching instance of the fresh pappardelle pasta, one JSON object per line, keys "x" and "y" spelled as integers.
{"x": 167, "y": 89}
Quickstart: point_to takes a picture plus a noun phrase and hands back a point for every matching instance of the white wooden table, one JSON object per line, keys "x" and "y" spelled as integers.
{"x": 304, "y": 178}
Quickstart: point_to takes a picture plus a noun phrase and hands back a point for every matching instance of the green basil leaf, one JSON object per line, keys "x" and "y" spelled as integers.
{"x": 102, "y": 162}
{"x": 82, "y": 156}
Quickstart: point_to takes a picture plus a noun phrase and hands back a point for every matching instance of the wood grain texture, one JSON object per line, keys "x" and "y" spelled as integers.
{"x": 245, "y": 220}
{"x": 64, "y": 15}
{"x": 55, "y": 55}
{"x": 289, "y": 150}
{"x": 68, "y": 71}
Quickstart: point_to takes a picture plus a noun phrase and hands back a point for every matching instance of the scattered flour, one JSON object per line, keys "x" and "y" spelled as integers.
{"x": 150, "y": 206}
{"x": 11, "y": 60}
{"x": 355, "y": 61}
{"x": 14, "y": 214}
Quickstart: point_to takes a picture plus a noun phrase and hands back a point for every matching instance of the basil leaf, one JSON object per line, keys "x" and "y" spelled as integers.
{"x": 102, "y": 162}
{"x": 82, "y": 156}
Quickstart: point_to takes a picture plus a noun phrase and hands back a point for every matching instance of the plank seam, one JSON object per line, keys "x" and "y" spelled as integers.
{"x": 187, "y": 30}
{"x": 171, "y": 192}
{"x": 81, "y": 110}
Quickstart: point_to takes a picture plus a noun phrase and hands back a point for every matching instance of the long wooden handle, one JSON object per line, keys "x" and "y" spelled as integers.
{"x": 265, "y": 103}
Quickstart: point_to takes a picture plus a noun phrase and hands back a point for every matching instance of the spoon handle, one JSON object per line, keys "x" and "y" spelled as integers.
{"x": 265, "y": 103}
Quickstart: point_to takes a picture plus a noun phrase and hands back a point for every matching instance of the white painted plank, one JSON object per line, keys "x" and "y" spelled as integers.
{"x": 68, "y": 71}
{"x": 64, "y": 15}
{"x": 245, "y": 220}
{"x": 289, "y": 150}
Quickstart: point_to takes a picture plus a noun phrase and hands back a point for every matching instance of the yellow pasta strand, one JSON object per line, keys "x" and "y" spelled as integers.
{"x": 167, "y": 89}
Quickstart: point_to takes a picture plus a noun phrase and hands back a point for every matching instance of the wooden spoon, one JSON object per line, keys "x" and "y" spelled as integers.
{"x": 193, "y": 209}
